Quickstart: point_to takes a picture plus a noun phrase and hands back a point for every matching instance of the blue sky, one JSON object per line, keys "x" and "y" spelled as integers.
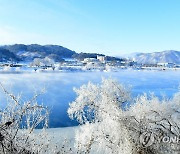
{"x": 113, "y": 27}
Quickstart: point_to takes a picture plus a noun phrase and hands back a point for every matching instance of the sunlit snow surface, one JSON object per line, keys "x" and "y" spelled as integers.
{"x": 59, "y": 87}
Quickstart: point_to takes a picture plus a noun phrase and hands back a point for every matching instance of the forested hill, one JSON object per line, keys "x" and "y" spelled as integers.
{"x": 23, "y": 52}
{"x": 6, "y": 55}
{"x": 29, "y": 52}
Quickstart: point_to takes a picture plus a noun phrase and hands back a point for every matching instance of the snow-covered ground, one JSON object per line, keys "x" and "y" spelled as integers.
{"x": 59, "y": 87}
{"x": 59, "y": 135}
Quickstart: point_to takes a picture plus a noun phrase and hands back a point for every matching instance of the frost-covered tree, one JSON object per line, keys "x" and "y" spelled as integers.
{"x": 108, "y": 127}
{"x": 43, "y": 62}
{"x": 158, "y": 120}
{"x": 19, "y": 121}
{"x": 37, "y": 62}
{"x": 48, "y": 61}
{"x": 99, "y": 108}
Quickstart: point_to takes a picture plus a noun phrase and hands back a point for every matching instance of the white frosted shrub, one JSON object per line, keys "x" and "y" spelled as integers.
{"x": 106, "y": 127}
{"x": 18, "y": 121}
{"x": 98, "y": 107}
{"x": 161, "y": 118}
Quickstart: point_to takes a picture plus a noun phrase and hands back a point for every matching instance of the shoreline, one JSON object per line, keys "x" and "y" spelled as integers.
{"x": 85, "y": 71}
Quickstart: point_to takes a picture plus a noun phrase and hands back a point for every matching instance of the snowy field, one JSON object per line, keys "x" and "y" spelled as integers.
{"x": 59, "y": 87}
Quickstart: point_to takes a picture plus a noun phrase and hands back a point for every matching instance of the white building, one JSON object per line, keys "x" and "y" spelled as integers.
{"x": 90, "y": 60}
{"x": 101, "y": 58}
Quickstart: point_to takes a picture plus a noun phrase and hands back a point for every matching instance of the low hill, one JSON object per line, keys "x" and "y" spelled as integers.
{"x": 29, "y": 52}
{"x": 55, "y": 52}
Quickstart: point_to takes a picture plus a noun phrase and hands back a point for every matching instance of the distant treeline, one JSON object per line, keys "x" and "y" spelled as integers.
{"x": 82, "y": 56}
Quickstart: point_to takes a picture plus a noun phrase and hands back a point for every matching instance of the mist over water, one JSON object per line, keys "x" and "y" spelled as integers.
{"x": 59, "y": 87}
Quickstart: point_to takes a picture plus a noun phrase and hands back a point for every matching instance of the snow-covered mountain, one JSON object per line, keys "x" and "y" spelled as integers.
{"x": 168, "y": 56}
